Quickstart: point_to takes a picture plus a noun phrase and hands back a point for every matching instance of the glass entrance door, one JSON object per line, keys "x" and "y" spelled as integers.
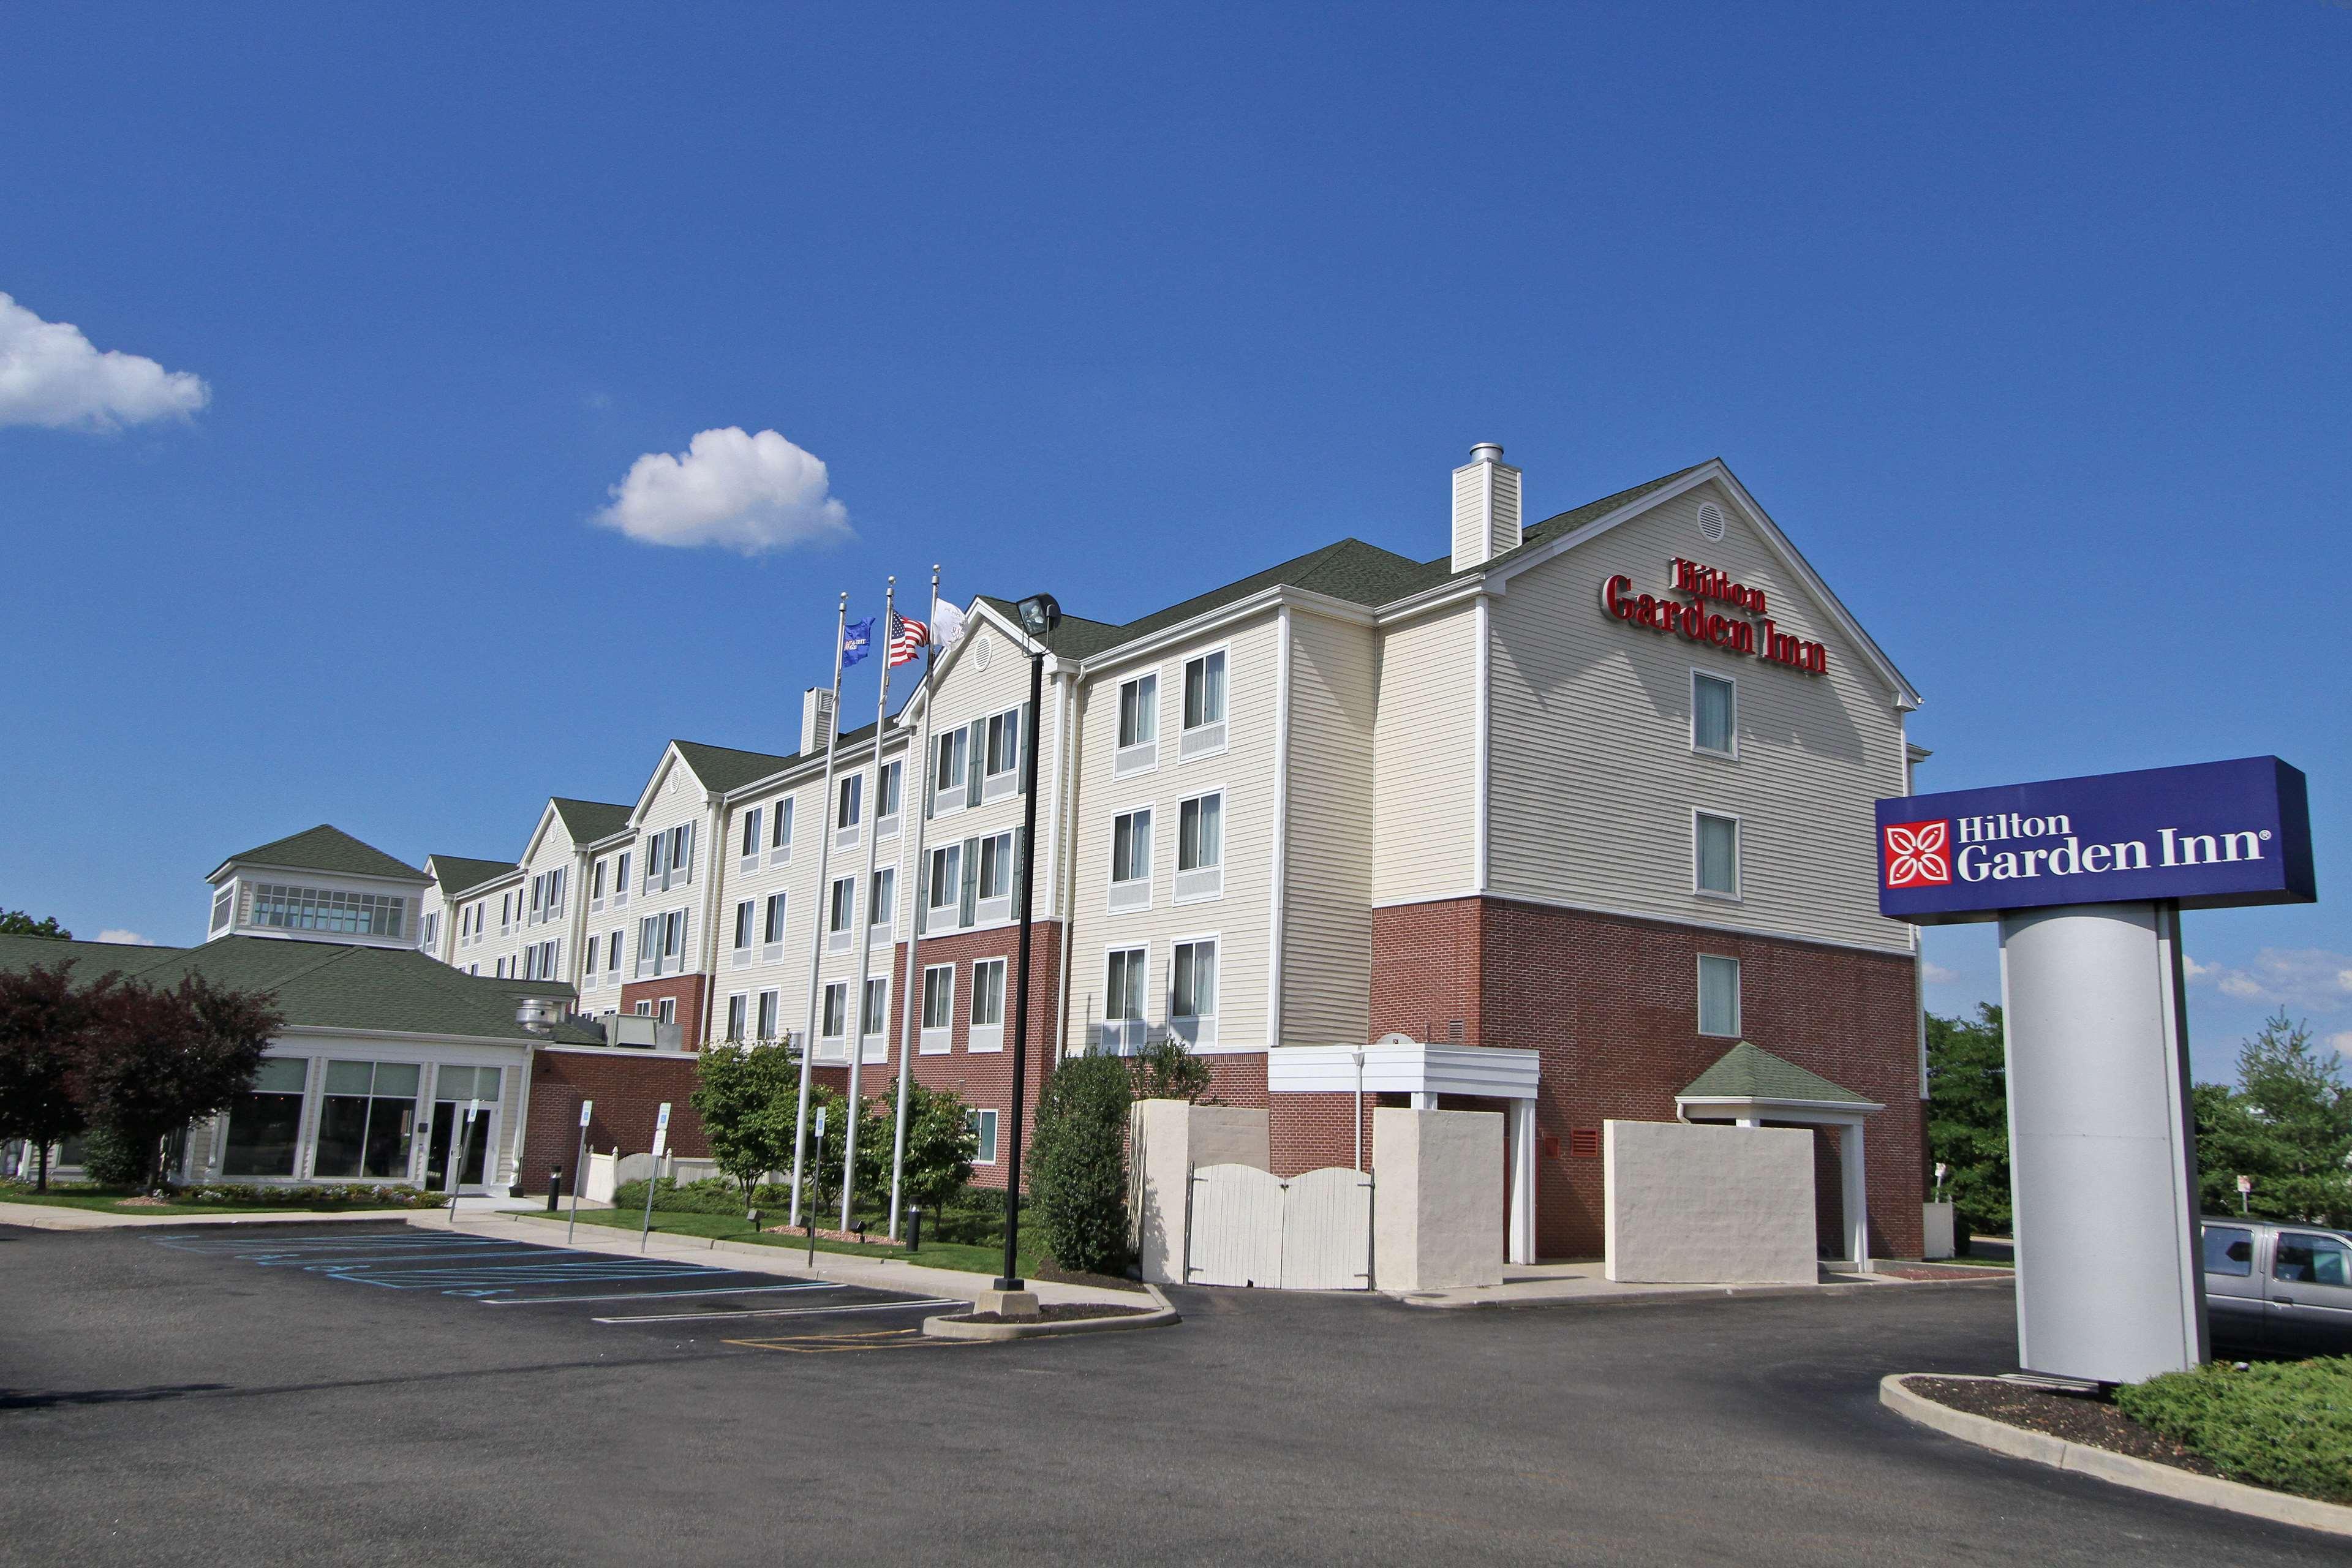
{"x": 452, "y": 1088}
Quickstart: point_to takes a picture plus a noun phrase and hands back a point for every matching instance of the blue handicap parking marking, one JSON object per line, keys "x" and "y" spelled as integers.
{"x": 477, "y": 1266}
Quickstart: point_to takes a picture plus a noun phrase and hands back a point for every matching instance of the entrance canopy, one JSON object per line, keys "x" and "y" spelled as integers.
{"x": 1750, "y": 1086}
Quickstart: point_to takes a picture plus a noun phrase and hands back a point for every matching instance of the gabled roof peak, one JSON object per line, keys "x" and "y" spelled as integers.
{"x": 325, "y": 849}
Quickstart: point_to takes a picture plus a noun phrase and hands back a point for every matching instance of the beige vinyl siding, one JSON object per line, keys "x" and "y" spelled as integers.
{"x": 1425, "y": 760}
{"x": 1326, "y": 952}
{"x": 1242, "y": 917}
{"x": 1594, "y": 778}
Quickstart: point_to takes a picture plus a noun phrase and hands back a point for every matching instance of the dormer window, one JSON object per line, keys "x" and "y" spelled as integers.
{"x": 277, "y": 907}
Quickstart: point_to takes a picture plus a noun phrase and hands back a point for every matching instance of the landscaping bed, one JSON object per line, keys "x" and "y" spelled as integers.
{"x": 217, "y": 1199}
{"x": 2286, "y": 1426}
{"x": 2087, "y": 1419}
{"x": 1058, "y": 1312}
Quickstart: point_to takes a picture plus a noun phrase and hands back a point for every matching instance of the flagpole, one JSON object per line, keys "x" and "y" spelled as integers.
{"x": 910, "y": 1024}
{"x": 862, "y": 930}
{"x": 816, "y": 919}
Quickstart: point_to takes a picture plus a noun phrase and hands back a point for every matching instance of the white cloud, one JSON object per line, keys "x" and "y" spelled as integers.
{"x": 2301, "y": 979}
{"x": 125, "y": 938}
{"x": 52, "y": 376}
{"x": 748, "y": 493}
{"x": 1939, "y": 976}
{"x": 2342, "y": 1042}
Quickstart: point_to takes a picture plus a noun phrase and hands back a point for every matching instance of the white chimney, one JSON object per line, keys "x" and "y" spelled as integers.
{"x": 816, "y": 719}
{"x": 1486, "y": 507}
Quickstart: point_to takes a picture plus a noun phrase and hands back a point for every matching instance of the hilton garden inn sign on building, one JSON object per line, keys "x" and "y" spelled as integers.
{"x": 1559, "y": 818}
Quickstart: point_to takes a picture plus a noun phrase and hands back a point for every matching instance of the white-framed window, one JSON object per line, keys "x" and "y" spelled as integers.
{"x": 1204, "y": 733}
{"x": 746, "y": 911}
{"x": 665, "y": 1010}
{"x": 833, "y": 1032}
{"x": 993, "y": 894}
{"x": 1200, "y": 847}
{"x": 613, "y": 952}
{"x": 501, "y": 969}
{"x": 588, "y": 962}
{"x": 1126, "y": 1019}
{"x": 949, "y": 754}
{"x": 737, "y": 1007}
{"x": 943, "y": 899}
{"x": 1130, "y": 860}
{"x": 874, "y": 1020}
{"x": 888, "y": 795}
{"x": 1714, "y": 714}
{"x": 772, "y": 929}
{"x": 984, "y": 1130}
{"x": 938, "y": 1009}
{"x": 621, "y": 880}
{"x": 1192, "y": 991}
{"x": 428, "y": 930}
{"x": 779, "y": 831}
{"x": 1001, "y": 762}
{"x": 661, "y": 944}
{"x": 225, "y": 903}
{"x": 748, "y": 855}
{"x": 645, "y": 1009}
{"x": 882, "y": 904}
{"x": 768, "y": 1002}
{"x": 987, "y": 1006}
{"x": 1138, "y": 727}
{"x": 1718, "y": 996}
{"x": 1715, "y": 854}
{"x": 848, "y": 810}
{"x": 841, "y": 913}
{"x": 596, "y": 885}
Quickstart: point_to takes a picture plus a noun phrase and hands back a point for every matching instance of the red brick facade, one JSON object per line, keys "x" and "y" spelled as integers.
{"x": 1611, "y": 1004}
{"x": 692, "y": 994}
{"x": 628, "y": 1086}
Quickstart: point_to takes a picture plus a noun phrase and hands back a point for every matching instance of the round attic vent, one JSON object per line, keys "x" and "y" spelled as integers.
{"x": 981, "y": 652}
{"x": 1710, "y": 522}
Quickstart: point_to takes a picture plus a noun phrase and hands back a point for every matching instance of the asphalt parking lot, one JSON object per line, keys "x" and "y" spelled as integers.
{"x": 262, "y": 1397}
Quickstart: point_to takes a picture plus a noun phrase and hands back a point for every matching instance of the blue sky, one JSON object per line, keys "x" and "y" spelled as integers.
{"x": 2028, "y": 323}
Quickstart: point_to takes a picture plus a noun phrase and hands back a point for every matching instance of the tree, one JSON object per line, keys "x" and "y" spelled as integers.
{"x": 17, "y": 923}
{"x": 156, "y": 1060}
{"x": 941, "y": 1143}
{"x": 45, "y": 1024}
{"x": 746, "y": 1097}
{"x": 1079, "y": 1189}
{"x": 822, "y": 1178}
{"x": 1167, "y": 1070}
{"x": 2288, "y": 1124}
{"x": 1967, "y": 1115}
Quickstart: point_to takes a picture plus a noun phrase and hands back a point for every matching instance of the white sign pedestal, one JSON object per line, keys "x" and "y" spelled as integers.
{"x": 2101, "y": 1143}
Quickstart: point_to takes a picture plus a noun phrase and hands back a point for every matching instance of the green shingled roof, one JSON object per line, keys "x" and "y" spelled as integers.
{"x": 319, "y": 984}
{"x": 589, "y": 820}
{"x": 458, "y": 874}
{"x": 723, "y": 768}
{"x": 325, "y": 849}
{"x": 1751, "y": 1072}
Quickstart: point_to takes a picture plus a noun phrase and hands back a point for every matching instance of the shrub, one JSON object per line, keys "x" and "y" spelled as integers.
{"x": 747, "y": 1098}
{"x": 2282, "y": 1425}
{"x": 712, "y": 1195}
{"x": 1166, "y": 1070}
{"x": 1079, "y": 1185}
{"x": 113, "y": 1160}
{"x": 941, "y": 1143}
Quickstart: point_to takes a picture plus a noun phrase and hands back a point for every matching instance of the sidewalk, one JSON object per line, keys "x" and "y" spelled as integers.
{"x": 57, "y": 1217}
{"x": 754, "y": 1257}
{"x": 1586, "y": 1284}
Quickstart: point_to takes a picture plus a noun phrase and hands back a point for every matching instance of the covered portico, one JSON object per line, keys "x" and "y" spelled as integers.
{"x": 1398, "y": 1064}
{"x": 1751, "y": 1087}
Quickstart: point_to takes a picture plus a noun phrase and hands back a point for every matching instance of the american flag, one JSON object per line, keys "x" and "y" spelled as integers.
{"x": 907, "y": 637}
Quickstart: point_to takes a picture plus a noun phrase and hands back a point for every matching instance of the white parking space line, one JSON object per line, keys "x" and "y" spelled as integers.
{"x": 655, "y": 1295}
{"x": 786, "y": 1311}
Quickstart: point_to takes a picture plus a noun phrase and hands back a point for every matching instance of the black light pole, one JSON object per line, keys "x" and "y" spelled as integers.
{"x": 1039, "y": 616}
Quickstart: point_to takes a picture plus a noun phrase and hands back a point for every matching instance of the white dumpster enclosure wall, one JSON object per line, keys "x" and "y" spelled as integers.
{"x": 1438, "y": 1205}
{"x": 1168, "y": 1138}
{"x": 1690, "y": 1205}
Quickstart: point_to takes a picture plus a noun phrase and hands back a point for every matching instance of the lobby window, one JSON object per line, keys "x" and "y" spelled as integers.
{"x": 1716, "y": 853}
{"x": 1718, "y": 996}
{"x": 367, "y": 1120}
{"x": 1714, "y": 715}
{"x": 266, "y": 1120}
{"x": 277, "y": 907}
{"x": 1204, "y": 706}
{"x": 983, "y": 1132}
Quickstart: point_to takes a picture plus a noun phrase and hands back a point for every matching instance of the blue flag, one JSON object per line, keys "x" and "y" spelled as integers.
{"x": 856, "y": 641}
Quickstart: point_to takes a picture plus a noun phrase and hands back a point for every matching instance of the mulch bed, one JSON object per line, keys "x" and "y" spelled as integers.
{"x": 1939, "y": 1271}
{"x": 2083, "y": 1418}
{"x": 1048, "y": 1270}
{"x": 1059, "y": 1312}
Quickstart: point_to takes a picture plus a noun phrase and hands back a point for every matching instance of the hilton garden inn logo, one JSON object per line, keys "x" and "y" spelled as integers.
{"x": 1932, "y": 854}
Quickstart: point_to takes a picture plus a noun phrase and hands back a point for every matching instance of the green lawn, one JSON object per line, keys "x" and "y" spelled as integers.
{"x": 964, "y": 1257}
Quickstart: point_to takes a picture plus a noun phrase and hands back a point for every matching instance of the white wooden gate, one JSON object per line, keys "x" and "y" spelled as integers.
{"x": 1248, "y": 1227}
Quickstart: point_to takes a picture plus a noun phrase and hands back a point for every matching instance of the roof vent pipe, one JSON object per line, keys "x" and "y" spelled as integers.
{"x": 1486, "y": 507}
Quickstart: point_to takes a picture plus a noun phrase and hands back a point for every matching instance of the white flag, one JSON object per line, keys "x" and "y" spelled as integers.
{"x": 947, "y": 624}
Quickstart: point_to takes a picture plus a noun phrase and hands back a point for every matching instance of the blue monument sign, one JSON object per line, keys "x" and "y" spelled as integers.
{"x": 2088, "y": 877}
{"x": 2209, "y": 836}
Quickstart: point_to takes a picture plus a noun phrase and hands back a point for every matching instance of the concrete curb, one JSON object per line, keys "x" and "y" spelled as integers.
{"x": 945, "y": 1329}
{"x": 40, "y": 1216}
{"x": 1669, "y": 1295}
{"x": 2140, "y": 1475}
